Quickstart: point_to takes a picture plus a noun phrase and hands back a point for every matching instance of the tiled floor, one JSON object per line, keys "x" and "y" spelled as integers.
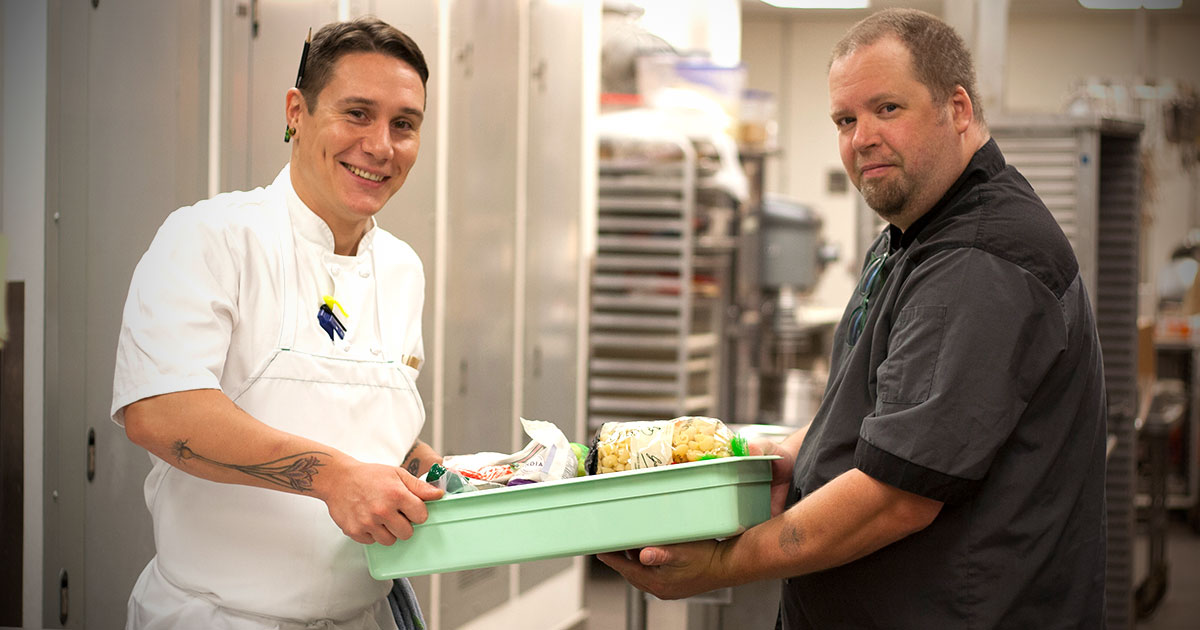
{"x": 1179, "y": 609}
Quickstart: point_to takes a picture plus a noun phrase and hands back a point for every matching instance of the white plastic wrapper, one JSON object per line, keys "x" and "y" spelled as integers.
{"x": 547, "y": 457}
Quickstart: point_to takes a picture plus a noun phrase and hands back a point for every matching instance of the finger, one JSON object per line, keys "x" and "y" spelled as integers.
{"x": 638, "y": 576}
{"x": 654, "y": 556}
{"x": 411, "y": 507}
{"x": 422, "y": 490}
{"x": 361, "y": 538}
{"x": 384, "y": 536}
{"x": 781, "y": 473}
{"x": 761, "y": 446}
{"x": 778, "y": 500}
{"x": 397, "y": 527}
{"x": 618, "y": 561}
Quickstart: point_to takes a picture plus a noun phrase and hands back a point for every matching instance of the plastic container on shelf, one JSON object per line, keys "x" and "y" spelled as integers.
{"x": 690, "y": 83}
{"x": 702, "y": 500}
{"x": 758, "y": 125}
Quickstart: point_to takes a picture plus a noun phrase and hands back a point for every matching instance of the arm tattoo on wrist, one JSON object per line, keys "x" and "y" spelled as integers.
{"x": 412, "y": 464}
{"x": 295, "y": 472}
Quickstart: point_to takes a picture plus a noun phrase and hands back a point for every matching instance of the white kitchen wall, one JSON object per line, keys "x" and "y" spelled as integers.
{"x": 1047, "y": 57}
{"x": 713, "y": 26}
{"x": 1047, "y": 53}
{"x": 790, "y": 59}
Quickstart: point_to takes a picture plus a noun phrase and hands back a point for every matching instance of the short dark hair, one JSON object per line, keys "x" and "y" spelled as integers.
{"x": 364, "y": 34}
{"x": 941, "y": 60}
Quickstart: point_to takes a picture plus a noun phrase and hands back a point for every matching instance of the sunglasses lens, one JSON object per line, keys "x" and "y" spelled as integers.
{"x": 866, "y": 286}
{"x": 856, "y": 325}
{"x": 867, "y": 282}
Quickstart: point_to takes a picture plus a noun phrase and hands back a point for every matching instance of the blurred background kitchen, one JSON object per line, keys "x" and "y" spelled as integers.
{"x": 626, "y": 209}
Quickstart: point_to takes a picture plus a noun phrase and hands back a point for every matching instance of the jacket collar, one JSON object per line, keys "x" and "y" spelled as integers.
{"x": 307, "y": 225}
{"x": 987, "y": 162}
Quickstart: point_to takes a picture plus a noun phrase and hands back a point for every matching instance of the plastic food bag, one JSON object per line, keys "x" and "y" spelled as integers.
{"x": 646, "y": 444}
{"x": 449, "y": 481}
{"x": 547, "y": 457}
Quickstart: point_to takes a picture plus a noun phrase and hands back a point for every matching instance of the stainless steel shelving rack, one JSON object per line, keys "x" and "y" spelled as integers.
{"x": 655, "y": 332}
{"x": 1088, "y": 172}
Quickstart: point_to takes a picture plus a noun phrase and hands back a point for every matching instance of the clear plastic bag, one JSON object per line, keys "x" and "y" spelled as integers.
{"x": 622, "y": 446}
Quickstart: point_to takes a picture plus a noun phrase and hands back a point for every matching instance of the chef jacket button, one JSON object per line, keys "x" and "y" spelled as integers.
{"x": 376, "y": 350}
{"x": 345, "y": 347}
{"x": 335, "y": 269}
{"x": 364, "y": 272}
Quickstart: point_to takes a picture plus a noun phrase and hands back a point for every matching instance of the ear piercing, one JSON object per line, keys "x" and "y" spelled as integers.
{"x": 288, "y": 133}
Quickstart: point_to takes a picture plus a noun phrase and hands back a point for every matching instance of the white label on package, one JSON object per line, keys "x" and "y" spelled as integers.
{"x": 649, "y": 442}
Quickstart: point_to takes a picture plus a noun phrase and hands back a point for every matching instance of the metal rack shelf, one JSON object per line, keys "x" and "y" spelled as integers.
{"x": 655, "y": 329}
{"x": 1088, "y": 171}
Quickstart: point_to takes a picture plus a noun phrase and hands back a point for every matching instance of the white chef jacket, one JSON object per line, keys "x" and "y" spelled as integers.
{"x": 216, "y": 298}
{"x": 201, "y": 311}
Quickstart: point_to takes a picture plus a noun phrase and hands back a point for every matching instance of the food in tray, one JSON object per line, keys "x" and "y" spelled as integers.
{"x": 632, "y": 445}
{"x": 452, "y": 482}
{"x": 581, "y": 453}
{"x": 547, "y": 457}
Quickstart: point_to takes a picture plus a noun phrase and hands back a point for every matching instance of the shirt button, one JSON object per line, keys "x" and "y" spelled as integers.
{"x": 346, "y": 347}
{"x": 335, "y": 269}
{"x": 376, "y": 350}
{"x": 364, "y": 272}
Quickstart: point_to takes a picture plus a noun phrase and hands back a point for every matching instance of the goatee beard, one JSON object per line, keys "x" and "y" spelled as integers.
{"x": 887, "y": 199}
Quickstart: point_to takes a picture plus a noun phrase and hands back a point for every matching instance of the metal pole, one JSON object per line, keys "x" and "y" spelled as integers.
{"x": 635, "y": 609}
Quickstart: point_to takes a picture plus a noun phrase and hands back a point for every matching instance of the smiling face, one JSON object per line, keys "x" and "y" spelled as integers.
{"x": 901, "y": 149}
{"x": 355, "y": 149}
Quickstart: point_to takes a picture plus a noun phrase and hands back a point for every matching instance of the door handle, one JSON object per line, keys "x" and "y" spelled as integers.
{"x": 63, "y": 597}
{"x": 537, "y": 361}
{"x": 91, "y": 454}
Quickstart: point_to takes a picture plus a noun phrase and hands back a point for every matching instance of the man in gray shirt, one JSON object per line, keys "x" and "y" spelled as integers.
{"x": 954, "y": 473}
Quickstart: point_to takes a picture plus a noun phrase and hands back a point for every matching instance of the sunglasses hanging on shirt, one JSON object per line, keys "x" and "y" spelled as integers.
{"x": 873, "y": 275}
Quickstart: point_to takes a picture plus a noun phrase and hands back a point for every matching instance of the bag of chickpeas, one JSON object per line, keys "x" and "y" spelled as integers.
{"x": 622, "y": 446}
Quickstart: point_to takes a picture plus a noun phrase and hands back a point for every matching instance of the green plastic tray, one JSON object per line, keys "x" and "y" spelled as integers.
{"x": 716, "y": 498}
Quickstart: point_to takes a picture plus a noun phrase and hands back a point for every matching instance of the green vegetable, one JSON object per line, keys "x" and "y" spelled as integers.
{"x": 739, "y": 446}
{"x": 581, "y": 454}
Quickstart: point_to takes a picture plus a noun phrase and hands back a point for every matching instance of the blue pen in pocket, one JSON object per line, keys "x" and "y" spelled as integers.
{"x": 330, "y": 323}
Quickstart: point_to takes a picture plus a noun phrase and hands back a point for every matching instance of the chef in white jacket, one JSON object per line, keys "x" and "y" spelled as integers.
{"x": 267, "y": 359}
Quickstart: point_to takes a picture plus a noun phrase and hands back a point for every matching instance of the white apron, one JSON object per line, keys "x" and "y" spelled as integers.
{"x": 232, "y": 556}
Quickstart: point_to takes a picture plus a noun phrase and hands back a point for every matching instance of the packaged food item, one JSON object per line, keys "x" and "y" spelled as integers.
{"x": 581, "y": 455}
{"x": 547, "y": 457}
{"x": 645, "y": 444}
{"x": 555, "y": 460}
{"x": 448, "y": 480}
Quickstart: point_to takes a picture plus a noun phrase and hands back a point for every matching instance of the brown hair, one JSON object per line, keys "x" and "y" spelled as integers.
{"x": 941, "y": 60}
{"x": 364, "y": 34}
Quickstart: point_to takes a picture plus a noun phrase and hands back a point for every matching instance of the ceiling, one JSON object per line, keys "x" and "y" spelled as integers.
{"x": 758, "y": 9}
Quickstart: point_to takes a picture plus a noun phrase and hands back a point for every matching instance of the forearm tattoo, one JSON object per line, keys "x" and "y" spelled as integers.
{"x": 293, "y": 471}
{"x": 412, "y": 464}
{"x": 791, "y": 537}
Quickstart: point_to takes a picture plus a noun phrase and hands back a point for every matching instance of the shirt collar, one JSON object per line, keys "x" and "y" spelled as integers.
{"x": 987, "y": 162}
{"x": 307, "y": 225}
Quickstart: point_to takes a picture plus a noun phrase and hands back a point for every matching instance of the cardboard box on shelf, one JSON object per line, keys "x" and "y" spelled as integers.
{"x": 1147, "y": 360}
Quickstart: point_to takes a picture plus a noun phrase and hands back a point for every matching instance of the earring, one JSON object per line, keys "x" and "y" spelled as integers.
{"x": 288, "y": 133}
